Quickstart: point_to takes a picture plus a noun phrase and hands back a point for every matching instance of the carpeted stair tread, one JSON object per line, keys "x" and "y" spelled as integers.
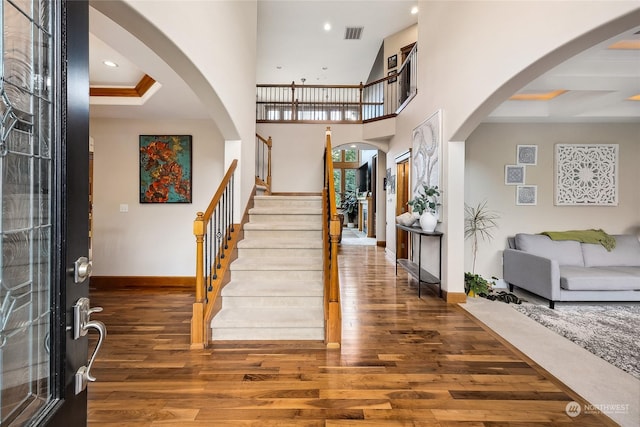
{"x": 288, "y": 198}
{"x": 281, "y": 243}
{"x": 283, "y": 226}
{"x": 277, "y": 264}
{"x": 268, "y": 288}
{"x": 285, "y": 211}
{"x": 279, "y": 317}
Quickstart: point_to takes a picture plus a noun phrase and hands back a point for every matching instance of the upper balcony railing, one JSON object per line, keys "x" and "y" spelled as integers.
{"x": 377, "y": 100}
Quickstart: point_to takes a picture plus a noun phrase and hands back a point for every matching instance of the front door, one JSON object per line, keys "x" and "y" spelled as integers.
{"x": 44, "y": 213}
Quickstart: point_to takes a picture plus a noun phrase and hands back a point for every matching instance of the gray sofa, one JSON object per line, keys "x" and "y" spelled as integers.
{"x": 573, "y": 271}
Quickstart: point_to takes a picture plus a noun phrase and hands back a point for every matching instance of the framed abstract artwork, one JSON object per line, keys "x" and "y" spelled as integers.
{"x": 586, "y": 174}
{"x": 426, "y": 154}
{"x": 165, "y": 168}
{"x": 514, "y": 174}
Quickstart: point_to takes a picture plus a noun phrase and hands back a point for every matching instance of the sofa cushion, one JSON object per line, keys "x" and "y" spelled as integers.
{"x": 626, "y": 253}
{"x": 574, "y": 278}
{"x": 566, "y": 252}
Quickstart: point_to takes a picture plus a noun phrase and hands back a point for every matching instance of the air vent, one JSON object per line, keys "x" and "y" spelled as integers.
{"x": 353, "y": 33}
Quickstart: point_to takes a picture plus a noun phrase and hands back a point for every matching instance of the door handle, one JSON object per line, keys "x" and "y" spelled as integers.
{"x": 81, "y": 326}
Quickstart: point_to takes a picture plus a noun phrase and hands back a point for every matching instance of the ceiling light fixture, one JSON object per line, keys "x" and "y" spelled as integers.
{"x": 110, "y": 64}
{"x": 414, "y": 10}
{"x": 327, "y": 26}
{"x": 538, "y": 96}
{"x": 626, "y": 45}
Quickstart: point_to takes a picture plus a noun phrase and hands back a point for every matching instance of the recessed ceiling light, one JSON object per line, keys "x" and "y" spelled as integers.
{"x": 626, "y": 45}
{"x": 110, "y": 63}
{"x": 327, "y": 26}
{"x": 537, "y": 96}
{"x": 414, "y": 10}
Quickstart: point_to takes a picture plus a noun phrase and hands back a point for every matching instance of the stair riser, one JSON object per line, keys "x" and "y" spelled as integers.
{"x": 284, "y": 234}
{"x": 286, "y": 204}
{"x": 268, "y": 334}
{"x": 291, "y": 219}
{"x": 279, "y": 252}
{"x": 274, "y": 301}
{"x": 276, "y": 275}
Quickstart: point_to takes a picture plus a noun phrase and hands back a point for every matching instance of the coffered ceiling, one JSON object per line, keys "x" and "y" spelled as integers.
{"x": 293, "y": 44}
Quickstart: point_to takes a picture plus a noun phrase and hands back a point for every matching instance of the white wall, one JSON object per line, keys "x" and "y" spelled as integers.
{"x": 471, "y": 52}
{"x": 212, "y": 45}
{"x": 149, "y": 239}
{"x": 298, "y": 150}
{"x": 492, "y": 146}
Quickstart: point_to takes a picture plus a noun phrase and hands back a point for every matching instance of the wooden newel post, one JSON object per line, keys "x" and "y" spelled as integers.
{"x": 198, "y": 231}
{"x": 197, "y": 316}
{"x": 269, "y": 144}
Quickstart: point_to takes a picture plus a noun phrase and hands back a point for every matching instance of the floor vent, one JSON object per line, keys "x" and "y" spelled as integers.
{"x": 353, "y": 33}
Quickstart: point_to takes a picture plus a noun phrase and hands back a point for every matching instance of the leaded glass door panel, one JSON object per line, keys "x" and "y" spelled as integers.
{"x": 38, "y": 130}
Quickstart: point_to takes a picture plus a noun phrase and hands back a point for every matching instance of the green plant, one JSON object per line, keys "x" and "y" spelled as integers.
{"x": 349, "y": 205}
{"x": 476, "y": 284}
{"x": 426, "y": 201}
{"x": 478, "y": 223}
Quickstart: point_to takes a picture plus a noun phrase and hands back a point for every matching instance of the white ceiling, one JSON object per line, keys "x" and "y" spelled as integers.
{"x": 291, "y": 36}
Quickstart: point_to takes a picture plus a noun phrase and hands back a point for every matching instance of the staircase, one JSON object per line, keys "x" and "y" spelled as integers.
{"x": 276, "y": 290}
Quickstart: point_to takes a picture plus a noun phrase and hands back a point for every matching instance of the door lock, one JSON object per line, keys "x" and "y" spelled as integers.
{"x": 81, "y": 269}
{"x": 81, "y": 325}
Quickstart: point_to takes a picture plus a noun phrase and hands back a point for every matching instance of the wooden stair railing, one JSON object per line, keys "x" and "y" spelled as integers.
{"x": 216, "y": 238}
{"x": 263, "y": 163}
{"x": 331, "y": 237}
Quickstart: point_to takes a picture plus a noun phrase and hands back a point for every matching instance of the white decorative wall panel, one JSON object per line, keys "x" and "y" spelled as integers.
{"x": 586, "y": 174}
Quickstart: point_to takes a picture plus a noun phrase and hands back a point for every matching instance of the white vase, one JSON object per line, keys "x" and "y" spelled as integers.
{"x": 428, "y": 221}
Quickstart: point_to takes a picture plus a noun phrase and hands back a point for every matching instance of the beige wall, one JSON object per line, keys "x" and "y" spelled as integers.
{"x": 492, "y": 146}
{"x": 298, "y": 150}
{"x": 463, "y": 70}
{"x": 212, "y": 46}
{"x": 149, "y": 239}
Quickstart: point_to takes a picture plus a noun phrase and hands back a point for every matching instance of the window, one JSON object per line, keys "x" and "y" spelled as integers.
{"x": 345, "y": 165}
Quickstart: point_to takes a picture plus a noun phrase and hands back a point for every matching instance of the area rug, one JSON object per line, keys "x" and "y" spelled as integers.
{"x": 611, "y": 332}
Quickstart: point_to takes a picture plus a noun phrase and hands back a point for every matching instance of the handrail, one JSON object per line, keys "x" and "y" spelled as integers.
{"x": 380, "y": 99}
{"x": 263, "y": 163}
{"x": 216, "y": 235}
{"x": 331, "y": 233}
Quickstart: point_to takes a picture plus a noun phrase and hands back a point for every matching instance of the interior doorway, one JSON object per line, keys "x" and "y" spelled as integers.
{"x": 402, "y": 197}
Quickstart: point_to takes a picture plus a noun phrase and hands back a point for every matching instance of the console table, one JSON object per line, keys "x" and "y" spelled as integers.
{"x": 416, "y": 270}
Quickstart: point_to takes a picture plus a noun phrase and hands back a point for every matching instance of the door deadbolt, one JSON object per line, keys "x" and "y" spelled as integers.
{"x": 81, "y": 269}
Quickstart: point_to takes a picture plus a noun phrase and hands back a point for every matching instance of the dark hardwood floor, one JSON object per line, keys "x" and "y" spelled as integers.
{"x": 404, "y": 362}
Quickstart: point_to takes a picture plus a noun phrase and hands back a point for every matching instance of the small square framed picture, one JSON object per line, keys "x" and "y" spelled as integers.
{"x": 514, "y": 174}
{"x": 527, "y": 154}
{"x": 527, "y": 195}
{"x": 392, "y": 61}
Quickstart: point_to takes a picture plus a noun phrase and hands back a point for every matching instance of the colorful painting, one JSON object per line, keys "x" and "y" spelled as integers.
{"x": 165, "y": 168}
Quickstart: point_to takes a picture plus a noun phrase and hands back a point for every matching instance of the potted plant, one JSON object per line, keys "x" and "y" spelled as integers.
{"x": 478, "y": 223}
{"x": 349, "y": 206}
{"x": 474, "y": 285}
{"x": 425, "y": 204}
